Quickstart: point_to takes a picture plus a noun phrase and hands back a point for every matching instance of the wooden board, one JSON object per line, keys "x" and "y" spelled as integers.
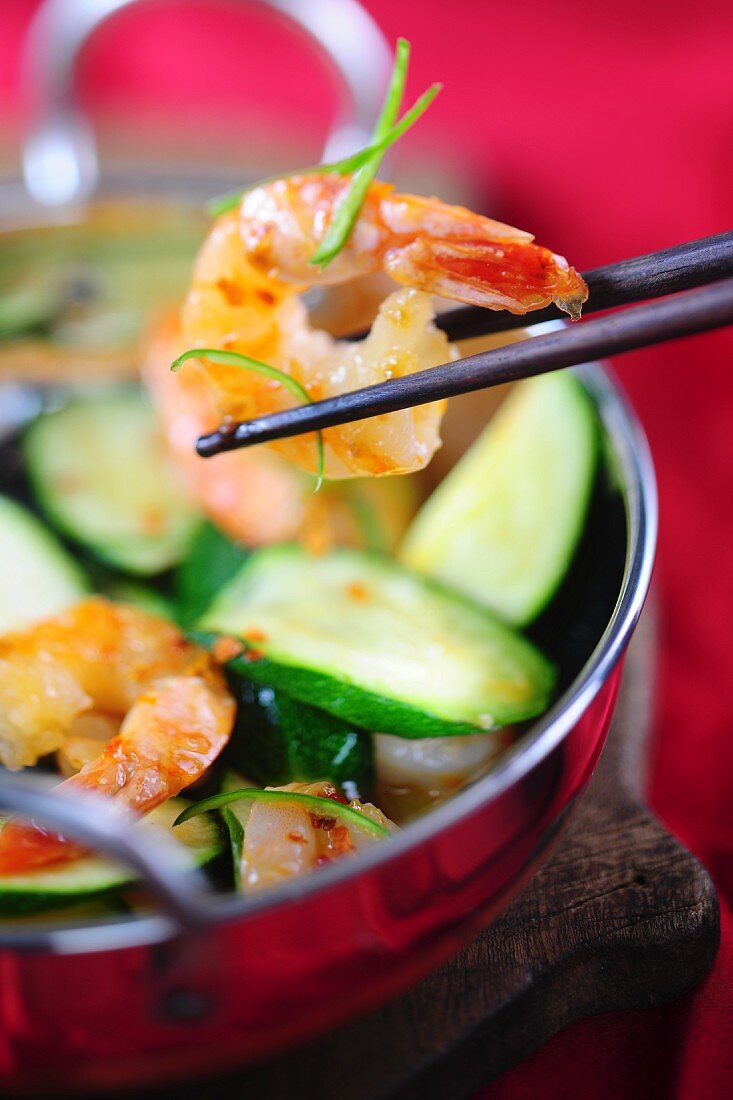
{"x": 620, "y": 916}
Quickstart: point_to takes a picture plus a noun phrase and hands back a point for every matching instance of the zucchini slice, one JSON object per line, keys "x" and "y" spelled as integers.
{"x": 279, "y": 740}
{"x": 101, "y": 473}
{"x": 363, "y": 638}
{"x": 92, "y": 876}
{"x": 212, "y": 559}
{"x": 504, "y": 524}
{"x": 325, "y": 807}
{"x": 37, "y": 576}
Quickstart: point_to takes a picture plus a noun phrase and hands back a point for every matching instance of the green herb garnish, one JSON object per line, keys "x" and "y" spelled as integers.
{"x": 324, "y": 807}
{"x": 224, "y": 203}
{"x": 363, "y": 165}
{"x": 353, "y": 198}
{"x": 236, "y": 359}
{"x": 236, "y": 844}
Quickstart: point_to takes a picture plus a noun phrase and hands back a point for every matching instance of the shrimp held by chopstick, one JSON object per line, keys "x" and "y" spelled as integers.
{"x": 104, "y": 659}
{"x": 255, "y": 496}
{"x": 255, "y": 263}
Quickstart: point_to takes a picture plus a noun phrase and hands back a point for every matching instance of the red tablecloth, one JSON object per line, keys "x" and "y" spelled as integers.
{"x": 606, "y": 129}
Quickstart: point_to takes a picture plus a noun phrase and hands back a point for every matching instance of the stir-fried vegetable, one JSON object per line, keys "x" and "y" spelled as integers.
{"x": 353, "y": 199}
{"x": 502, "y": 527}
{"x": 37, "y": 576}
{"x": 385, "y": 134}
{"x": 323, "y": 807}
{"x": 372, "y": 643}
{"x": 100, "y": 471}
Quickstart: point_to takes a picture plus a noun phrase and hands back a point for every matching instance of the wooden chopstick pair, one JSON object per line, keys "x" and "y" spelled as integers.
{"x": 706, "y": 263}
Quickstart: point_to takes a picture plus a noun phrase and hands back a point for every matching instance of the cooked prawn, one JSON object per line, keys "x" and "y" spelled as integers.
{"x": 285, "y": 840}
{"x": 252, "y": 495}
{"x": 414, "y": 774}
{"x": 245, "y": 297}
{"x": 104, "y": 659}
{"x": 255, "y": 496}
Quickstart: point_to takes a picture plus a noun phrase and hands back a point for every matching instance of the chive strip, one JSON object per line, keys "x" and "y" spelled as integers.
{"x": 235, "y": 830}
{"x": 224, "y": 203}
{"x": 353, "y": 199}
{"x": 236, "y": 359}
{"x": 325, "y": 807}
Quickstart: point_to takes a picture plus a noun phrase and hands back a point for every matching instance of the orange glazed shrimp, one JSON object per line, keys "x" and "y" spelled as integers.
{"x": 245, "y": 291}
{"x": 105, "y": 658}
{"x": 255, "y": 496}
{"x": 283, "y": 841}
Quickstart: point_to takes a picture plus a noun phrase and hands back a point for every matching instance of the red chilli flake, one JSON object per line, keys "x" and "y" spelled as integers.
{"x": 340, "y": 839}
{"x": 329, "y": 791}
{"x": 253, "y": 655}
{"x": 226, "y": 649}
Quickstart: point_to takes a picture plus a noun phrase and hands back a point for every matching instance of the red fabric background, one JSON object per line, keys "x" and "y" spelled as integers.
{"x": 607, "y": 129}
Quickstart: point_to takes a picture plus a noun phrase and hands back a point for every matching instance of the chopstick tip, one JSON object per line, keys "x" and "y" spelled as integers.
{"x": 213, "y": 443}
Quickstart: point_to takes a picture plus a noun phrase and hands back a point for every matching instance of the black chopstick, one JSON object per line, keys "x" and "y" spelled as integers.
{"x": 653, "y": 275}
{"x": 681, "y": 315}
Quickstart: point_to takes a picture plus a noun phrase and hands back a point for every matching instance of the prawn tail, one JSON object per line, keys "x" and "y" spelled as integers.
{"x": 518, "y": 276}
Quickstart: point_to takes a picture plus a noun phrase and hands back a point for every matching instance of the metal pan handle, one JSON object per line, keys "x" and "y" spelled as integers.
{"x": 160, "y": 863}
{"x": 60, "y": 162}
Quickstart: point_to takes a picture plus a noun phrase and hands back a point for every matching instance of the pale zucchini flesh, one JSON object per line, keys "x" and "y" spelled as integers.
{"x": 365, "y": 639}
{"x": 38, "y": 578}
{"x": 100, "y": 471}
{"x": 503, "y": 526}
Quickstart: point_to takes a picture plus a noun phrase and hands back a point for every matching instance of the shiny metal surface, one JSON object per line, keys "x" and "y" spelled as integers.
{"x": 60, "y": 161}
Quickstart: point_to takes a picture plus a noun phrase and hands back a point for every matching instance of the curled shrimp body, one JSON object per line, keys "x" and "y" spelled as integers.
{"x": 245, "y": 297}
{"x": 112, "y": 664}
{"x": 413, "y": 775}
{"x": 283, "y": 841}
{"x": 255, "y": 496}
{"x": 419, "y": 241}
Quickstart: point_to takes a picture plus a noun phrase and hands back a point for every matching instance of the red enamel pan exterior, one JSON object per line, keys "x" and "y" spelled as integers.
{"x": 138, "y": 1000}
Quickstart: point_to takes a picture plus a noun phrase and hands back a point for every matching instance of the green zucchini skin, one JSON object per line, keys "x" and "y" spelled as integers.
{"x": 38, "y": 578}
{"x": 310, "y": 638}
{"x": 347, "y": 815}
{"x": 504, "y": 525}
{"x": 93, "y": 877}
{"x": 211, "y": 561}
{"x": 278, "y": 740}
{"x": 100, "y": 472}
{"x": 235, "y": 834}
